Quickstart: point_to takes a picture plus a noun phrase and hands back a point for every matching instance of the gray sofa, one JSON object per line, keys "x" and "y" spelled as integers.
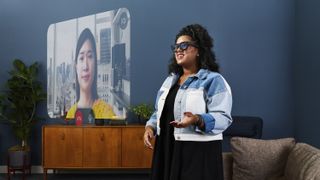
{"x": 280, "y": 159}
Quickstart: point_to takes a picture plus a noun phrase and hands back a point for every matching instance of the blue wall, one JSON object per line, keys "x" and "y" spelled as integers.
{"x": 307, "y": 71}
{"x": 253, "y": 42}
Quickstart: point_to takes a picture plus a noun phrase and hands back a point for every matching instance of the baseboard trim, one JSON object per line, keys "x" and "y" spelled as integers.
{"x": 39, "y": 170}
{"x": 3, "y": 169}
{"x": 34, "y": 170}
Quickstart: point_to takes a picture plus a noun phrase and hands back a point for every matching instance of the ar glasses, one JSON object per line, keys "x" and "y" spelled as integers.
{"x": 183, "y": 46}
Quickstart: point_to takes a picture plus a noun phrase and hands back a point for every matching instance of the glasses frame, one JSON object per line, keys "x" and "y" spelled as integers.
{"x": 183, "y": 46}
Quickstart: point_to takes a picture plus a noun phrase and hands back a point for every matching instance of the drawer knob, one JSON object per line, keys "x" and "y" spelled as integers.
{"x": 62, "y": 136}
{"x": 102, "y": 137}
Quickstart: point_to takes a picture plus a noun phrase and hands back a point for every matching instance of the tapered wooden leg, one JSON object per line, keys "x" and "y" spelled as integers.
{"x": 45, "y": 170}
{"x": 23, "y": 174}
{"x": 8, "y": 174}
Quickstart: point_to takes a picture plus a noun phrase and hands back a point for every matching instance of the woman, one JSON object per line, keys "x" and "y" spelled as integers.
{"x": 193, "y": 108}
{"x": 86, "y": 79}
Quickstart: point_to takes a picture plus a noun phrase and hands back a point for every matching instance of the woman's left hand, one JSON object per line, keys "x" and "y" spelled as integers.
{"x": 186, "y": 121}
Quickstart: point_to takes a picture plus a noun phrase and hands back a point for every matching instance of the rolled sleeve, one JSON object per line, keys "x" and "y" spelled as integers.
{"x": 153, "y": 121}
{"x": 153, "y": 118}
{"x": 218, "y": 117}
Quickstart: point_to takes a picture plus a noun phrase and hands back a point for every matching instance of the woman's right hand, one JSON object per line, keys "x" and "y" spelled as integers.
{"x": 148, "y": 135}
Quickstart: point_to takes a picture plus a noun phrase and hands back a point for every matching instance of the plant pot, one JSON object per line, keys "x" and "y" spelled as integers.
{"x": 142, "y": 121}
{"x": 19, "y": 158}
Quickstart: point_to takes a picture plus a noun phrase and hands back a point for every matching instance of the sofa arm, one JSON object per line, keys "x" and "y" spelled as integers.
{"x": 303, "y": 163}
{"x": 227, "y": 165}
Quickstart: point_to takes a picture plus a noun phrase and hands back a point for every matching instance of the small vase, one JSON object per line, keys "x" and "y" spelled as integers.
{"x": 142, "y": 120}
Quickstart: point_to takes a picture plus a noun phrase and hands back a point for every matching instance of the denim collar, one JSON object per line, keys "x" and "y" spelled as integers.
{"x": 201, "y": 74}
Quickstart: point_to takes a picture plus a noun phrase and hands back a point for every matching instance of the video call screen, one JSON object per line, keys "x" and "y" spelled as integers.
{"x": 88, "y": 65}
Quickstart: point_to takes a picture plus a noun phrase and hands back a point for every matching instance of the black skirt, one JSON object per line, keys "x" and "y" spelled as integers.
{"x": 183, "y": 160}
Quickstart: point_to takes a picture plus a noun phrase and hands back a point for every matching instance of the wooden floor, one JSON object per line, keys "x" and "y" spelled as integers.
{"x": 86, "y": 176}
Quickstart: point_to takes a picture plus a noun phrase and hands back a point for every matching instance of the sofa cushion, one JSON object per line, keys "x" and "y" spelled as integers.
{"x": 227, "y": 165}
{"x": 303, "y": 163}
{"x": 259, "y": 159}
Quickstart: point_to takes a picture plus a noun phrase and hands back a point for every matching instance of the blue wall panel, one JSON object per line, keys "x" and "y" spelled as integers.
{"x": 253, "y": 43}
{"x": 307, "y": 72}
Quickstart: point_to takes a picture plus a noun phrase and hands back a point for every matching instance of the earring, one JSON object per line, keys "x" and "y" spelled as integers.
{"x": 198, "y": 55}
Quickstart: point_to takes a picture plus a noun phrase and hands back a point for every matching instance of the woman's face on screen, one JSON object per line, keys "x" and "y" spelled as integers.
{"x": 85, "y": 66}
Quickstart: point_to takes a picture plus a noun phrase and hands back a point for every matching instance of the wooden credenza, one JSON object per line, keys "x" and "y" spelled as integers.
{"x": 94, "y": 147}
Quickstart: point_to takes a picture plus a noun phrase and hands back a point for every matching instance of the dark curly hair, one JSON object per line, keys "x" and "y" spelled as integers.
{"x": 207, "y": 58}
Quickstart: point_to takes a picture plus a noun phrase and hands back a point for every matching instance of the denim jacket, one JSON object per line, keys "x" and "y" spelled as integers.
{"x": 205, "y": 93}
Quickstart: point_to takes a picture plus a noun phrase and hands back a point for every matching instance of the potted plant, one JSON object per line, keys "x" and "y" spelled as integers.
{"x": 18, "y": 105}
{"x": 143, "y": 111}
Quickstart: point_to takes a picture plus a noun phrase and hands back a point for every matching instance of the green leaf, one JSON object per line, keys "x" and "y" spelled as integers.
{"x": 19, "y": 65}
{"x": 33, "y": 69}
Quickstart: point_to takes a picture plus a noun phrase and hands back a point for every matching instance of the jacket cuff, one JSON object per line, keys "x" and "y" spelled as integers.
{"x": 151, "y": 124}
{"x": 209, "y": 122}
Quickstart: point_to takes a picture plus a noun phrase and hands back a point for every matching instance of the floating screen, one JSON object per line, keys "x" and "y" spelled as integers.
{"x": 88, "y": 65}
